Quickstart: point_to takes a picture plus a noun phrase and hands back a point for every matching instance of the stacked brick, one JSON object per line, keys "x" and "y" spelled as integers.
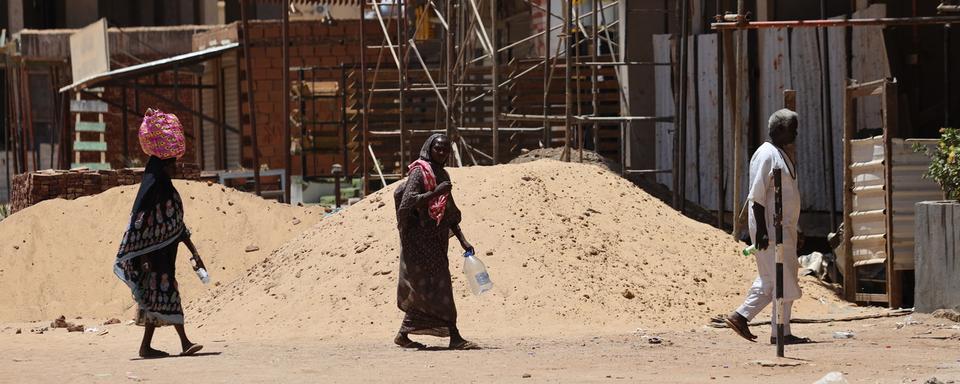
{"x": 31, "y": 188}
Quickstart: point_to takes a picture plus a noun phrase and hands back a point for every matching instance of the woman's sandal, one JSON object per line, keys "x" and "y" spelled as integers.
{"x": 464, "y": 345}
{"x": 791, "y": 339}
{"x": 154, "y": 354}
{"x": 405, "y": 342}
{"x": 412, "y": 345}
{"x": 191, "y": 350}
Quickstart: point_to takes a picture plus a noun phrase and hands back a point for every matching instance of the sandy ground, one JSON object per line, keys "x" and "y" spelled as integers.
{"x": 587, "y": 268}
{"x": 879, "y": 353}
{"x": 56, "y": 257}
{"x": 565, "y": 244}
{"x": 589, "y": 157}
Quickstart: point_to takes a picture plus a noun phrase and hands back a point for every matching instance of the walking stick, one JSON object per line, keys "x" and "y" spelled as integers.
{"x": 778, "y": 227}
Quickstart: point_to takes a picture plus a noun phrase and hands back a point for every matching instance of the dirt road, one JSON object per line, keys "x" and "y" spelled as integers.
{"x": 924, "y": 347}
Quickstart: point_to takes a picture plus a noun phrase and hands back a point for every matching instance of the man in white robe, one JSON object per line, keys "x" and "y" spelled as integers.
{"x": 782, "y": 128}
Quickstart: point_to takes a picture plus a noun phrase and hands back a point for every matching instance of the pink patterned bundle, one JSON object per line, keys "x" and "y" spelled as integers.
{"x": 161, "y": 135}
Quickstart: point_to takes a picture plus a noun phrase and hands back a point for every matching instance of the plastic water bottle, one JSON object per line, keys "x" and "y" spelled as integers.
{"x": 750, "y": 251}
{"x": 843, "y": 335}
{"x": 832, "y": 378}
{"x": 476, "y": 274}
{"x": 203, "y": 275}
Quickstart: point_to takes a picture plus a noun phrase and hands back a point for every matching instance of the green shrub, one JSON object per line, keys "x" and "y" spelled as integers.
{"x": 945, "y": 164}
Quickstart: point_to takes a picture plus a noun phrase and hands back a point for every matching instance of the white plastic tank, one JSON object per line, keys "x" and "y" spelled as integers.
{"x": 476, "y": 273}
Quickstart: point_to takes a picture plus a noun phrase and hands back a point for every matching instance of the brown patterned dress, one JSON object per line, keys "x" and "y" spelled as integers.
{"x": 424, "y": 291}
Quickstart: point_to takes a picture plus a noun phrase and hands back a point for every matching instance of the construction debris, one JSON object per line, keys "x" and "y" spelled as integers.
{"x": 949, "y": 314}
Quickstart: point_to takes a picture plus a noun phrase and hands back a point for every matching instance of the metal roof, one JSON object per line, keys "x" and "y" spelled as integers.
{"x": 151, "y": 67}
{"x": 324, "y": 2}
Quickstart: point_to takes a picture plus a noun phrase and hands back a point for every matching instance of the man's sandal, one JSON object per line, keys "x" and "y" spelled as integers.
{"x": 791, "y": 339}
{"x": 740, "y": 327}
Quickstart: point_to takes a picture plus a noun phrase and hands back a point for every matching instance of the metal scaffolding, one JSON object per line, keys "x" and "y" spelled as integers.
{"x": 475, "y": 67}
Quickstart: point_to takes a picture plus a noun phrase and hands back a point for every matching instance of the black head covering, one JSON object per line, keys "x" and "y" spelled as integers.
{"x": 156, "y": 220}
{"x": 155, "y": 187}
{"x": 425, "y": 151}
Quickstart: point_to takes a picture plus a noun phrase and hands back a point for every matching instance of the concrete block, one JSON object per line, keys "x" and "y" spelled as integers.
{"x": 937, "y": 252}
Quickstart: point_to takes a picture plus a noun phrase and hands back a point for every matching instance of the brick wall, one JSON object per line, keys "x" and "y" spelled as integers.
{"x": 114, "y": 118}
{"x": 147, "y": 44}
{"x": 312, "y": 44}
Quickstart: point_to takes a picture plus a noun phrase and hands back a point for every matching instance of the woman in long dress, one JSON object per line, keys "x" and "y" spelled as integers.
{"x": 146, "y": 261}
{"x": 426, "y": 216}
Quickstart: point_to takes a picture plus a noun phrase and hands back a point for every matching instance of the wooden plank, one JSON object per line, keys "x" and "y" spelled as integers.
{"x": 86, "y": 126}
{"x": 889, "y": 107}
{"x": 91, "y": 106}
{"x": 697, "y": 16}
{"x": 89, "y": 146}
{"x": 662, "y": 46}
{"x": 709, "y": 125}
{"x": 846, "y": 258}
{"x": 739, "y": 131}
{"x": 871, "y": 298}
{"x": 735, "y": 81}
{"x": 4, "y": 192}
{"x": 869, "y": 62}
{"x": 873, "y": 88}
{"x": 232, "y": 147}
{"x": 94, "y": 166}
{"x": 765, "y": 10}
{"x": 691, "y": 188}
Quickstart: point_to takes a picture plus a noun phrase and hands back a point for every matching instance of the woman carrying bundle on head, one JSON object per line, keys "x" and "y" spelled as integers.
{"x": 146, "y": 261}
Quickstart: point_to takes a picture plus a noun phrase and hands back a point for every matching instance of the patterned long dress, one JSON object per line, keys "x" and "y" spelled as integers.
{"x": 146, "y": 260}
{"x": 424, "y": 291}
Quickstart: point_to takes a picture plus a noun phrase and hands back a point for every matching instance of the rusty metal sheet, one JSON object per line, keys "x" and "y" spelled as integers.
{"x": 909, "y": 188}
{"x": 811, "y": 148}
{"x": 773, "y": 54}
{"x": 838, "y": 80}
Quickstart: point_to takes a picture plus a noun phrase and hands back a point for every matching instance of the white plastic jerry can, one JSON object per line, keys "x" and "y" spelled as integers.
{"x": 203, "y": 275}
{"x": 476, "y": 274}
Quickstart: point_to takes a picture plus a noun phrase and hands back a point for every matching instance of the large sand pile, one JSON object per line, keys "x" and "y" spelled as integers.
{"x": 57, "y": 257}
{"x": 571, "y": 248}
{"x": 589, "y": 157}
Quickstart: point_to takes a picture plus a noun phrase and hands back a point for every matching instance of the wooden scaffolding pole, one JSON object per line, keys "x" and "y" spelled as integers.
{"x": 568, "y": 63}
{"x": 495, "y": 73}
{"x": 364, "y": 129}
{"x": 248, "y": 68}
